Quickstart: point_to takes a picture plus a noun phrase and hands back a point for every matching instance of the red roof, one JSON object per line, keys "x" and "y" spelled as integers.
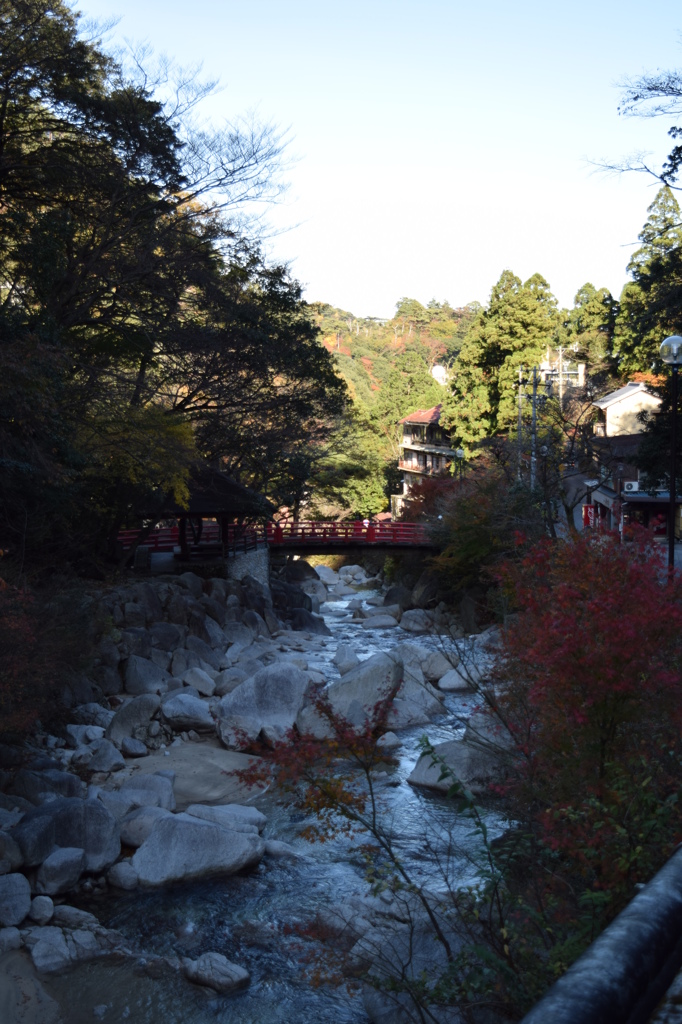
{"x": 423, "y": 415}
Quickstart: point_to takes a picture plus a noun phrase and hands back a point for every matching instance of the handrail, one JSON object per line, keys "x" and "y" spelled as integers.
{"x": 625, "y": 973}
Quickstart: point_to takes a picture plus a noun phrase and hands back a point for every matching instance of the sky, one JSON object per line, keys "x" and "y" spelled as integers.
{"x": 433, "y": 144}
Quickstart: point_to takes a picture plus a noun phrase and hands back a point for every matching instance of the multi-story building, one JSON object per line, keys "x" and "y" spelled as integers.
{"x": 424, "y": 451}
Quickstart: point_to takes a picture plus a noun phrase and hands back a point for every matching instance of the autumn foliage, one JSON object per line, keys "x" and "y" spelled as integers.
{"x": 592, "y": 695}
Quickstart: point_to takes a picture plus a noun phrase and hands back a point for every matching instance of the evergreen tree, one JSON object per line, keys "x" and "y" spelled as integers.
{"x": 520, "y": 321}
{"x": 651, "y": 304}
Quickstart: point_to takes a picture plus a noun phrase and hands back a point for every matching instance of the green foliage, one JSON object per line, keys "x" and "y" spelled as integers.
{"x": 515, "y": 329}
{"x": 650, "y": 305}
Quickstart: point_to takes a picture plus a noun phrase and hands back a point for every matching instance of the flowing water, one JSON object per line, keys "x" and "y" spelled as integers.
{"x": 252, "y": 918}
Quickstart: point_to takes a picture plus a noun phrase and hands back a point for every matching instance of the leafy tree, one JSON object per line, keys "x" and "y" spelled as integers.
{"x": 651, "y": 305}
{"x": 590, "y": 327}
{"x": 520, "y": 321}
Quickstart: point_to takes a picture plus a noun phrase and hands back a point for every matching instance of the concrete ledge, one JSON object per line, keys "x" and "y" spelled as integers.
{"x": 626, "y": 972}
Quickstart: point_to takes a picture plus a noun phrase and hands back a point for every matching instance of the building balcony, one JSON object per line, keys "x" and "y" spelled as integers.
{"x": 434, "y": 447}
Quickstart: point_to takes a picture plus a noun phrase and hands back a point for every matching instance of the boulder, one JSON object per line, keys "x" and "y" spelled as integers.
{"x": 425, "y": 590}
{"x": 328, "y": 576}
{"x": 190, "y": 581}
{"x": 228, "y": 680}
{"x": 254, "y": 620}
{"x": 36, "y": 786}
{"x": 216, "y": 638}
{"x": 55, "y": 950}
{"x": 356, "y": 693}
{"x": 131, "y": 747}
{"x": 161, "y": 658}
{"x": 144, "y": 676}
{"x": 435, "y": 664}
{"x": 204, "y": 652}
{"x": 238, "y": 633}
{"x": 166, "y": 635}
{"x": 123, "y": 876}
{"x": 135, "y": 641}
{"x": 380, "y": 622}
{"x": 271, "y": 698}
{"x": 307, "y": 622}
{"x": 86, "y": 824}
{"x": 106, "y": 758}
{"x": 11, "y": 857}
{"x": 287, "y": 596}
{"x": 151, "y": 790}
{"x": 182, "y": 660}
{"x": 215, "y": 971}
{"x": 42, "y": 909}
{"x": 345, "y": 659}
{"x": 15, "y": 899}
{"x": 137, "y": 825}
{"x": 78, "y": 735}
{"x": 474, "y": 767}
{"x": 149, "y": 601}
{"x": 188, "y": 712}
{"x": 298, "y": 569}
{"x": 60, "y": 871}
{"x": 399, "y": 595}
{"x": 233, "y": 816}
{"x": 454, "y": 682}
{"x": 93, "y": 714}
{"x": 416, "y": 621}
{"x": 182, "y": 847}
{"x": 10, "y": 939}
{"x": 200, "y": 680}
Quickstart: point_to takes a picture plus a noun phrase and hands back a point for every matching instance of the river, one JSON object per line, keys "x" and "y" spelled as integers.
{"x": 252, "y": 918}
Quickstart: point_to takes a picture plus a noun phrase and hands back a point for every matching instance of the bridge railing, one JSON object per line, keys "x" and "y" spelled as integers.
{"x": 346, "y": 532}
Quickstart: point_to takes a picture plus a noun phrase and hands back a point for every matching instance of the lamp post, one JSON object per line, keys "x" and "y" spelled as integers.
{"x": 671, "y": 353}
{"x": 460, "y": 462}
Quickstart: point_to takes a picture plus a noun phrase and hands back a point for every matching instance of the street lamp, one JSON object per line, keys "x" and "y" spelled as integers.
{"x": 671, "y": 353}
{"x": 460, "y": 462}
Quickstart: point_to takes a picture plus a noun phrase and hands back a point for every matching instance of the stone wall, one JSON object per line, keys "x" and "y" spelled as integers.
{"x": 254, "y": 563}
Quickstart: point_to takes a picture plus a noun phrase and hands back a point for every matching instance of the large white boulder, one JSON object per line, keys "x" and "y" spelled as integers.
{"x": 182, "y": 847}
{"x": 270, "y": 700}
{"x": 188, "y": 712}
{"x": 215, "y": 971}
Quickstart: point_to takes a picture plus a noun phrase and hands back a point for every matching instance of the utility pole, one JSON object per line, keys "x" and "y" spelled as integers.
{"x": 561, "y": 377}
{"x": 518, "y": 429}
{"x": 534, "y": 428}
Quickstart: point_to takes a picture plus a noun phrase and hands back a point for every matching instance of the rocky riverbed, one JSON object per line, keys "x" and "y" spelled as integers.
{"x": 133, "y": 812}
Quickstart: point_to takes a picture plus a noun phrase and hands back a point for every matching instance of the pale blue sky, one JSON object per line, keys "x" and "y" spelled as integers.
{"x": 436, "y": 143}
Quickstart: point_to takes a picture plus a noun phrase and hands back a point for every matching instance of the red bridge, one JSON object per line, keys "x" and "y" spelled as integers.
{"x": 314, "y": 537}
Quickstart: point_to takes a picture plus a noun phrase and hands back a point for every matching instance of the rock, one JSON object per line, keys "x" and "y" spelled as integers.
{"x": 93, "y": 714}
{"x": 166, "y": 635}
{"x": 399, "y": 595}
{"x": 135, "y": 641}
{"x": 155, "y": 790}
{"x": 474, "y": 767}
{"x": 204, "y": 652}
{"x": 238, "y": 633}
{"x": 148, "y": 599}
{"x": 11, "y": 856}
{"x": 271, "y": 698}
{"x": 36, "y": 786}
{"x": 42, "y": 909}
{"x": 190, "y": 581}
{"x": 137, "y": 825}
{"x": 425, "y": 590}
{"x": 162, "y": 659}
{"x": 389, "y": 741}
{"x": 230, "y": 815}
{"x": 345, "y": 659}
{"x": 123, "y": 876}
{"x": 73, "y": 917}
{"x": 214, "y": 971}
{"x": 253, "y": 620}
{"x": 380, "y": 622}
{"x": 454, "y": 682}
{"x": 201, "y": 682}
{"x": 216, "y": 637}
{"x": 182, "y": 661}
{"x": 15, "y": 899}
{"x": 298, "y": 569}
{"x": 309, "y": 623}
{"x": 60, "y": 871}
{"x": 10, "y": 938}
{"x": 133, "y": 748}
{"x": 182, "y": 847}
{"x": 79, "y": 735}
{"x": 144, "y": 676}
{"x": 106, "y": 757}
{"x": 328, "y": 576}
{"x": 435, "y": 664}
{"x": 86, "y": 824}
{"x": 188, "y": 712}
{"x": 133, "y": 614}
{"x": 228, "y": 680}
{"x": 280, "y": 851}
{"x": 356, "y": 571}
{"x": 35, "y": 839}
{"x": 416, "y": 621}
{"x": 54, "y": 951}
